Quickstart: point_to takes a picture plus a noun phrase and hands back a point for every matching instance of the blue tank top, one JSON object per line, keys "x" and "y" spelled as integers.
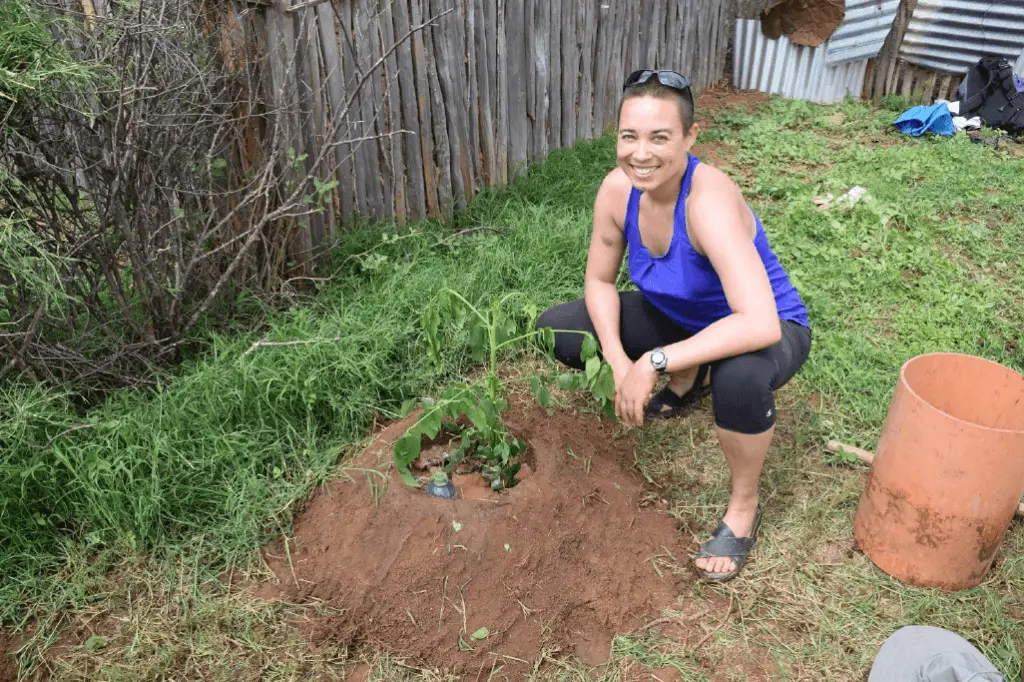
{"x": 683, "y": 284}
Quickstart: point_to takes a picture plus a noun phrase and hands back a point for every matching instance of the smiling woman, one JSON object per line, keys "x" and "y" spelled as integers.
{"x": 712, "y": 295}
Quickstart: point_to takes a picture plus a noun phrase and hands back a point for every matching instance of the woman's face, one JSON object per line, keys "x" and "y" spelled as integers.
{"x": 652, "y": 147}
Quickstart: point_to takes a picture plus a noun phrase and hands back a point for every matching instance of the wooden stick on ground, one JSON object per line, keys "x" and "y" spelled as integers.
{"x": 863, "y": 455}
{"x": 869, "y": 457}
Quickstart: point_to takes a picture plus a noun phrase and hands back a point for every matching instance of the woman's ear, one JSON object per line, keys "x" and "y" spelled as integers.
{"x": 691, "y": 135}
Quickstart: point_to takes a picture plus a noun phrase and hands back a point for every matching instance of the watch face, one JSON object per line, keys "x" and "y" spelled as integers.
{"x": 658, "y": 358}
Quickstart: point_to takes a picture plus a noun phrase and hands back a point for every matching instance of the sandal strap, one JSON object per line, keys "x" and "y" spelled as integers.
{"x": 666, "y": 397}
{"x": 727, "y": 547}
{"x": 702, "y": 373}
{"x": 725, "y": 544}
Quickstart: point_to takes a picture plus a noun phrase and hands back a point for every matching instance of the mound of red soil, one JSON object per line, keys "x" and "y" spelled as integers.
{"x": 563, "y": 561}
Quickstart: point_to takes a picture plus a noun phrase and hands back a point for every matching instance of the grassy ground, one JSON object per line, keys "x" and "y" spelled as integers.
{"x": 194, "y": 476}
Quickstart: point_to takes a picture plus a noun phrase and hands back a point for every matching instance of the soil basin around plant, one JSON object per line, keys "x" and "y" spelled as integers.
{"x": 562, "y": 562}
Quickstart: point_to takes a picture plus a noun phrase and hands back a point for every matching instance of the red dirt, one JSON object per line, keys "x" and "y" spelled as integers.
{"x": 717, "y": 98}
{"x": 712, "y": 153}
{"x": 666, "y": 674}
{"x": 578, "y": 568}
{"x": 806, "y": 22}
{"x": 8, "y": 663}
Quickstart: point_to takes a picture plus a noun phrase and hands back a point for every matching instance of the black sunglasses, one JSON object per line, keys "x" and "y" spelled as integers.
{"x": 668, "y": 78}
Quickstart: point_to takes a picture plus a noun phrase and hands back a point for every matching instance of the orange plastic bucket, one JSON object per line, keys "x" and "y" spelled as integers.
{"x": 948, "y": 472}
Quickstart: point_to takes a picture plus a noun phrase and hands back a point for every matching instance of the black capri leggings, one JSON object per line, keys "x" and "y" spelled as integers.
{"x": 742, "y": 387}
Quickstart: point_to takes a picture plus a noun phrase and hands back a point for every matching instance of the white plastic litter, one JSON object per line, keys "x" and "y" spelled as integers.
{"x": 961, "y": 123}
{"x": 848, "y": 200}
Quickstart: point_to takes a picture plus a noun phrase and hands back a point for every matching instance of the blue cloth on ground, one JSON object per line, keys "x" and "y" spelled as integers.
{"x": 922, "y": 119}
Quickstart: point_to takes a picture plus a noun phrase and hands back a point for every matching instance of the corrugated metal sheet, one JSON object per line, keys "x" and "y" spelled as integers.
{"x": 863, "y": 31}
{"x": 952, "y": 35}
{"x": 779, "y": 67}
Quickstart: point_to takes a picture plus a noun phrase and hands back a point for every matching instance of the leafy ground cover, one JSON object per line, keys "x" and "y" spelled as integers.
{"x": 196, "y": 475}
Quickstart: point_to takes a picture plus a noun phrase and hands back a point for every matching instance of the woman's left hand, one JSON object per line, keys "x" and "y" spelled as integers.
{"x": 635, "y": 391}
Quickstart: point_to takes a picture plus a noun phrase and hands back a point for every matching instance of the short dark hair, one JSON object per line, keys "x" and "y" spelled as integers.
{"x": 652, "y": 88}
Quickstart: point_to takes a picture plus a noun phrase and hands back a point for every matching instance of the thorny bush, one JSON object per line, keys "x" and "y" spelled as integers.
{"x": 130, "y": 214}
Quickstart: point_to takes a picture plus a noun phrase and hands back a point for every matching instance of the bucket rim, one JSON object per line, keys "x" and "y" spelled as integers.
{"x": 909, "y": 388}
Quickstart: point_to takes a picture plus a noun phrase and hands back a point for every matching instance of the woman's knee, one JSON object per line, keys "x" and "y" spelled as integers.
{"x": 742, "y": 396}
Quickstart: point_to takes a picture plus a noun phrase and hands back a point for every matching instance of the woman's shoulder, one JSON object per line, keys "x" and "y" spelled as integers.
{"x": 710, "y": 187}
{"x": 715, "y": 199}
{"x": 711, "y": 180}
{"x": 616, "y": 183}
{"x": 613, "y": 194}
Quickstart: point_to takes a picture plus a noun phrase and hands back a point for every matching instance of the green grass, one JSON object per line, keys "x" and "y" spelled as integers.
{"x": 33, "y": 69}
{"x": 201, "y": 471}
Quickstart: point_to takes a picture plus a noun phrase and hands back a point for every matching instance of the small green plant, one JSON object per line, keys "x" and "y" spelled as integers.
{"x": 842, "y": 458}
{"x": 472, "y": 411}
{"x": 597, "y": 375}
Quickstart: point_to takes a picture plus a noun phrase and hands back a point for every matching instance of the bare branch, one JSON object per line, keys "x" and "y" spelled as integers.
{"x": 281, "y": 344}
{"x": 164, "y": 190}
{"x": 304, "y": 5}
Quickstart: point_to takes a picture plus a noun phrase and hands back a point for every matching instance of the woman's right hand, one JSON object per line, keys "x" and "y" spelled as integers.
{"x": 620, "y": 368}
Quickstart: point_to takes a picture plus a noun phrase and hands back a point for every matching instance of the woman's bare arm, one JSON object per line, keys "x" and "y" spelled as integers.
{"x": 716, "y": 217}
{"x": 604, "y": 258}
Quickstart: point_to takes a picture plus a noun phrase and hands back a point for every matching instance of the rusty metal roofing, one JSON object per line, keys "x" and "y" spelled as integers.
{"x": 794, "y": 71}
{"x": 863, "y": 31}
{"x": 952, "y": 35}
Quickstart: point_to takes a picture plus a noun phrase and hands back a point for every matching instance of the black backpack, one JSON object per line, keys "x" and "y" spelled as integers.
{"x": 987, "y": 91}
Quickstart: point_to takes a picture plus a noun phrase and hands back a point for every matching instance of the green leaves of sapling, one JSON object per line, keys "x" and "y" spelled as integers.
{"x": 431, "y": 321}
{"x": 603, "y": 385}
{"x": 540, "y": 391}
{"x": 478, "y": 341}
{"x": 597, "y": 375}
{"x": 405, "y": 451}
{"x": 589, "y": 347}
{"x": 568, "y": 382}
{"x": 408, "y": 447}
{"x": 429, "y": 424}
{"x": 603, "y": 389}
{"x": 545, "y": 340}
{"x": 481, "y": 402}
{"x": 504, "y": 327}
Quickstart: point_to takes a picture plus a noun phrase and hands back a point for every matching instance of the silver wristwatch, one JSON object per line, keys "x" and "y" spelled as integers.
{"x": 659, "y": 360}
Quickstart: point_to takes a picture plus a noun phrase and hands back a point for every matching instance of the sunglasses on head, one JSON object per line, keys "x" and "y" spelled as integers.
{"x": 668, "y": 78}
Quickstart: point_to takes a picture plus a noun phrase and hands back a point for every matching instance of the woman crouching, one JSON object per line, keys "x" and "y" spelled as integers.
{"x": 711, "y": 296}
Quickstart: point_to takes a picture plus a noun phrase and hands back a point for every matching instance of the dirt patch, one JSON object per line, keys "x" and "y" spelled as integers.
{"x": 8, "y": 662}
{"x": 712, "y": 153}
{"x": 714, "y": 99}
{"x": 806, "y": 22}
{"x": 834, "y": 552}
{"x": 756, "y": 666}
{"x": 664, "y": 674}
{"x": 566, "y": 559}
{"x": 361, "y": 673}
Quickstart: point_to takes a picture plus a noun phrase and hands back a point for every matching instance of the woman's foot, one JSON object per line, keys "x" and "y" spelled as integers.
{"x": 723, "y": 556}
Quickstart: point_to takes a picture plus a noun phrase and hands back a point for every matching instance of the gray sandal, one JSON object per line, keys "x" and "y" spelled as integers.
{"x": 724, "y": 544}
